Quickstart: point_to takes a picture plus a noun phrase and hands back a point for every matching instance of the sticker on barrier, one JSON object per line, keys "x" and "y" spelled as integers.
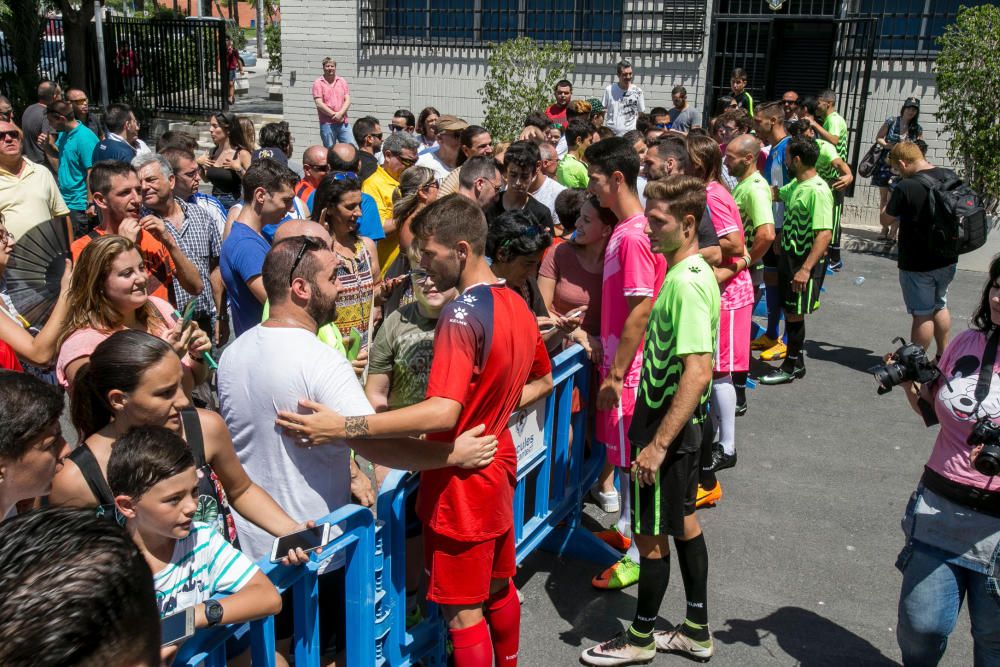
{"x": 527, "y": 428}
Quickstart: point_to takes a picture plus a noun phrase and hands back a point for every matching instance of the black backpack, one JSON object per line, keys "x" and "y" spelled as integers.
{"x": 958, "y": 218}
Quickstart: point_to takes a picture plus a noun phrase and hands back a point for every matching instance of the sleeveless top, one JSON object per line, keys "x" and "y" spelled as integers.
{"x": 354, "y": 302}
{"x": 213, "y": 506}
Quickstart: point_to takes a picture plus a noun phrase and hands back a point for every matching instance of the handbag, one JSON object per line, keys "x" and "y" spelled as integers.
{"x": 869, "y": 163}
{"x": 242, "y": 83}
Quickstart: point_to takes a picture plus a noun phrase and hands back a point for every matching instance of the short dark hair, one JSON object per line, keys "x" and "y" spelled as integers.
{"x": 514, "y": 234}
{"x": 46, "y": 91}
{"x": 176, "y": 139}
{"x": 363, "y": 127}
{"x": 739, "y": 117}
{"x": 452, "y": 219}
{"x": 480, "y": 166}
{"x": 562, "y": 83}
{"x": 536, "y": 119}
{"x": 679, "y": 90}
{"x": 276, "y": 135}
{"x": 614, "y": 154}
{"x": 61, "y": 108}
{"x": 685, "y": 195}
{"x": 605, "y": 132}
{"x": 117, "y": 116}
{"x": 809, "y": 103}
{"x": 337, "y": 164}
{"x": 705, "y": 158}
{"x": 103, "y": 171}
{"x": 623, "y": 64}
{"x": 739, "y": 74}
{"x": 672, "y": 146}
{"x": 268, "y": 174}
{"x": 633, "y": 136}
{"x": 805, "y": 148}
{"x": 174, "y": 155}
{"x": 280, "y": 261}
{"x": 524, "y": 154}
{"x": 658, "y": 111}
{"x": 29, "y": 408}
{"x": 578, "y": 128}
{"x": 465, "y": 138}
{"x": 74, "y": 590}
{"x": 407, "y": 115}
{"x": 568, "y": 204}
{"x": 773, "y": 110}
{"x": 144, "y": 457}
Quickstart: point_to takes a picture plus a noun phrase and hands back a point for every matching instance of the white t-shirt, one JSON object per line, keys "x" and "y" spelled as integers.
{"x": 547, "y": 195}
{"x": 622, "y": 107}
{"x": 203, "y": 564}
{"x": 431, "y": 160}
{"x": 269, "y": 369}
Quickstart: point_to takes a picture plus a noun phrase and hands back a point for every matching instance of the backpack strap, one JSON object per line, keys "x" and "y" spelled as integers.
{"x": 193, "y": 435}
{"x": 948, "y": 182}
{"x": 85, "y": 460}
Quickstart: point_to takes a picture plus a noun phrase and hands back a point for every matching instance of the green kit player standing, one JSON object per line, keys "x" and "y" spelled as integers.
{"x": 805, "y": 236}
{"x": 834, "y": 129}
{"x": 666, "y": 432}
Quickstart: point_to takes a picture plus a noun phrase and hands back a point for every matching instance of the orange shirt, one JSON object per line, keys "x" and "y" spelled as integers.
{"x": 159, "y": 265}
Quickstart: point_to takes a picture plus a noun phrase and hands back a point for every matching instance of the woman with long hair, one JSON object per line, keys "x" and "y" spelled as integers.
{"x": 904, "y": 127}
{"x": 338, "y": 207}
{"x": 108, "y": 294}
{"x": 229, "y": 160}
{"x": 41, "y": 348}
{"x": 732, "y": 359}
{"x": 134, "y": 379}
{"x": 418, "y": 187}
{"x": 427, "y": 127}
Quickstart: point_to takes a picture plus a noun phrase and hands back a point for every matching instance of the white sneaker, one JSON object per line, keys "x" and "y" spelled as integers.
{"x": 675, "y": 641}
{"x": 606, "y": 500}
{"x": 618, "y": 651}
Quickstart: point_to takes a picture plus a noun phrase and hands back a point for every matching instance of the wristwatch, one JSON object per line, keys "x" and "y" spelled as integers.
{"x": 213, "y": 612}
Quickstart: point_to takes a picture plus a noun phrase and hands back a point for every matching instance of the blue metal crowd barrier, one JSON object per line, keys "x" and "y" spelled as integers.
{"x": 548, "y": 497}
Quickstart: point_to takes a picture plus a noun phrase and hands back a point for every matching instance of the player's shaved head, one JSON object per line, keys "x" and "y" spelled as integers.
{"x": 746, "y": 144}
{"x": 301, "y": 228}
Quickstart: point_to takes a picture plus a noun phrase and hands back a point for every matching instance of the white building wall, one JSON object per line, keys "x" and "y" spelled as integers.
{"x": 383, "y": 79}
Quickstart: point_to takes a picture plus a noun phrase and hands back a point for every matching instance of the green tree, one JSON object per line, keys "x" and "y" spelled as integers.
{"x": 21, "y": 22}
{"x": 77, "y": 19}
{"x": 520, "y": 77}
{"x": 968, "y": 84}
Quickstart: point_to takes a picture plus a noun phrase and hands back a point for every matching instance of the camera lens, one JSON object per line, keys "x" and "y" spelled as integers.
{"x": 988, "y": 461}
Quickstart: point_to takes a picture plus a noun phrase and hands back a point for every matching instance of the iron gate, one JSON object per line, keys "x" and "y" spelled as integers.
{"x": 854, "y": 52}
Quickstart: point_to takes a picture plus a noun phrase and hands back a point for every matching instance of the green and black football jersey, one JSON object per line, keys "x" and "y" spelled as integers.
{"x": 808, "y": 209}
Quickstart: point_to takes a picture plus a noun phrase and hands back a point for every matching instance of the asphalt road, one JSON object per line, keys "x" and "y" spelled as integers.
{"x": 802, "y": 545}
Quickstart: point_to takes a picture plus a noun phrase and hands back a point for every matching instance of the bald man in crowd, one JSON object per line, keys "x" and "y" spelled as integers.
{"x": 315, "y": 167}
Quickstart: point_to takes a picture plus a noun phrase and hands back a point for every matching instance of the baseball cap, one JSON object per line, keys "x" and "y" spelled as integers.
{"x": 270, "y": 153}
{"x": 449, "y": 123}
{"x": 596, "y": 106}
{"x": 912, "y": 102}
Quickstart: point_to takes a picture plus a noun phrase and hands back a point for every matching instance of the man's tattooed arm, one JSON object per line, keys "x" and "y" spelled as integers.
{"x": 356, "y": 427}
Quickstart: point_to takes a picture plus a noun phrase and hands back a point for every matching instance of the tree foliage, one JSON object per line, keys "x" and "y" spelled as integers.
{"x": 22, "y": 23}
{"x": 968, "y": 84}
{"x": 520, "y": 77}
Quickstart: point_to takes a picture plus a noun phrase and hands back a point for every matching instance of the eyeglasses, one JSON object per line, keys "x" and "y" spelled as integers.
{"x": 13, "y": 135}
{"x": 345, "y": 176}
{"x": 308, "y": 244}
{"x": 5, "y": 237}
{"x": 318, "y": 167}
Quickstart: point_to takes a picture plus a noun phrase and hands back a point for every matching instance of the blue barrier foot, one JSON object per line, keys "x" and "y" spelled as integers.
{"x": 580, "y": 543}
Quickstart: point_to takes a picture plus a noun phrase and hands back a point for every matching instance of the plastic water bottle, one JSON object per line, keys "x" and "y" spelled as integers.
{"x": 859, "y": 281}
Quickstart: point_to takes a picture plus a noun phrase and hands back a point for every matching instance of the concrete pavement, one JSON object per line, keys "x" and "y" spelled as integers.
{"x": 802, "y": 545}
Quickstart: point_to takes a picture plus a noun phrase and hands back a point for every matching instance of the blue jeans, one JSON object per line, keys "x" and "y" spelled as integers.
{"x": 339, "y": 133}
{"x": 932, "y": 595}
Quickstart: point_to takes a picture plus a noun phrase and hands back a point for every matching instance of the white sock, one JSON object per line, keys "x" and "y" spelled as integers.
{"x": 624, "y": 524}
{"x": 724, "y": 412}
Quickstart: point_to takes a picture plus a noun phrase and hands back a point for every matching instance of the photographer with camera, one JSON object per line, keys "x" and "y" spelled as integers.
{"x": 952, "y": 522}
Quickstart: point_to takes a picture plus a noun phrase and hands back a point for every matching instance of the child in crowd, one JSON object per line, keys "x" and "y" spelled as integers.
{"x": 738, "y": 84}
{"x": 554, "y": 133}
{"x": 155, "y": 483}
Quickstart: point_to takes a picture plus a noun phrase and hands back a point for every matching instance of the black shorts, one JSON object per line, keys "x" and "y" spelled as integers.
{"x": 770, "y": 259}
{"x": 332, "y": 616}
{"x": 806, "y": 301}
{"x": 660, "y": 509}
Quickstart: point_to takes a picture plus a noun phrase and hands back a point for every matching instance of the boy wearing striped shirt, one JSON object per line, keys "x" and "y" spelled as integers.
{"x": 152, "y": 474}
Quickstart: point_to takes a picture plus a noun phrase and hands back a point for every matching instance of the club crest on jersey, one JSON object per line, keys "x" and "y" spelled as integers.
{"x": 775, "y": 5}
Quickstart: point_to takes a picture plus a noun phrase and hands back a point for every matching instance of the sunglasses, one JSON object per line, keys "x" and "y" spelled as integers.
{"x": 318, "y": 167}
{"x": 407, "y": 161}
{"x": 13, "y": 135}
{"x": 308, "y": 243}
{"x": 377, "y": 135}
{"x": 397, "y": 128}
{"x": 345, "y": 176}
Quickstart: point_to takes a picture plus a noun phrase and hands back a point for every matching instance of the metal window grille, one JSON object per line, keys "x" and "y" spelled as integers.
{"x": 636, "y": 26}
{"x": 763, "y": 8}
{"x": 910, "y": 28}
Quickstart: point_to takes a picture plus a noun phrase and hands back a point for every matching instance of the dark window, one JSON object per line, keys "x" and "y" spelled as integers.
{"x": 910, "y": 27}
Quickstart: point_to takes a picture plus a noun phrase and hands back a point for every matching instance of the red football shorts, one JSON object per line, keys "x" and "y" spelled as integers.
{"x": 459, "y": 573}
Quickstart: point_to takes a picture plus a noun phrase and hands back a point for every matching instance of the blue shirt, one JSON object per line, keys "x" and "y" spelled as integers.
{"x": 776, "y": 175}
{"x": 76, "y": 151}
{"x": 369, "y": 224}
{"x": 113, "y": 148}
{"x": 243, "y": 254}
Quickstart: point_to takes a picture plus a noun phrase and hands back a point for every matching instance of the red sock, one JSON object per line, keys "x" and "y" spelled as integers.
{"x": 503, "y": 613}
{"x": 471, "y": 646}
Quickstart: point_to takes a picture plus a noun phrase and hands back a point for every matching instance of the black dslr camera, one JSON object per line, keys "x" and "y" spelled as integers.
{"x": 987, "y": 434}
{"x": 911, "y": 364}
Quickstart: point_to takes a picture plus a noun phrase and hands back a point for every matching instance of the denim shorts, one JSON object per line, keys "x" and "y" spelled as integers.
{"x": 926, "y": 292}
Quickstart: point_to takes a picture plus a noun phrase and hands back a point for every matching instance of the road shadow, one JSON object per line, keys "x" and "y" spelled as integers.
{"x": 855, "y": 358}
{"x": 808, "y": 638}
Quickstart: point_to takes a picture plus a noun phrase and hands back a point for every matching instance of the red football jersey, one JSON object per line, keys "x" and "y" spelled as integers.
{"x": 8, "y": 359}
{"x": 486, "y": 348}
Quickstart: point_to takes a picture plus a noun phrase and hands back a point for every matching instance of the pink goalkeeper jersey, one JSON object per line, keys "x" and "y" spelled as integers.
{"x": 737, "y": 291}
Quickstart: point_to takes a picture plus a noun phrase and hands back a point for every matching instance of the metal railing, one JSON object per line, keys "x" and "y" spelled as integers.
{"x": 910, "y": 28}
